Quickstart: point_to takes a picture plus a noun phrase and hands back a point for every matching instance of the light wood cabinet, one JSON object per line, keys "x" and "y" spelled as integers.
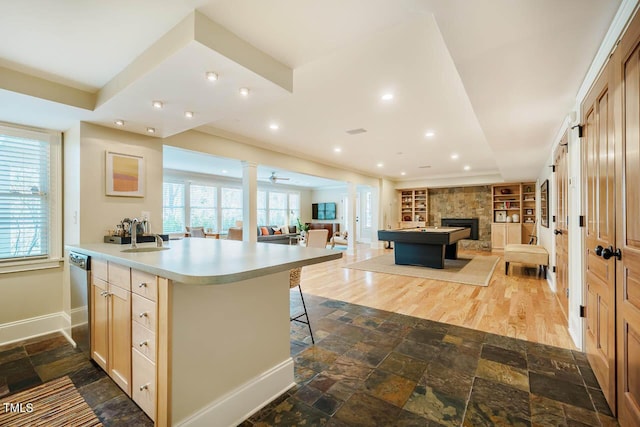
{"x": 99, "y": 321}
{"x": 514, "y": 213}
{"x": 503, "y": 234}
{"x": 123, "y": 329}
{"x": 111, "y": 323}
{"x": 414, "y": 208}
{"x": 144, "y": 310}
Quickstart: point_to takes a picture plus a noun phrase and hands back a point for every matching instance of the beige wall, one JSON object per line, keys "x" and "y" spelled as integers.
{"x": 30, "y": 294}
{"x": 99, "y": 212}
{"x": 329, "y": 195}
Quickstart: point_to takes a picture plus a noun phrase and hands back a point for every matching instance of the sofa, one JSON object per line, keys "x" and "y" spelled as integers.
{"x": 276, "y": 233}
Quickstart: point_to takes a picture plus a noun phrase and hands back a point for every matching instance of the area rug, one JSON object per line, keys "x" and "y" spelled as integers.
{"x": 53, "y": 404}
{"x": 475, "y": 270}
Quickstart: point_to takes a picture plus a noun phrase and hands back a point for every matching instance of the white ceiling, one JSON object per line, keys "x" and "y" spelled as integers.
{"x": 493, "y": 78}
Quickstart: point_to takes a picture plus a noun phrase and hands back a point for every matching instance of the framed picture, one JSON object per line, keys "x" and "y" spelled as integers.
{"x": 124, "y": 175}
{"x": 544, "y": 203}
{"x": 500, "y": 216}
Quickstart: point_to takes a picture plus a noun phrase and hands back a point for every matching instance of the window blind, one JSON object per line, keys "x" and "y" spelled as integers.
{"x": 173, "y": 207}
{"x": 24, "y": 197}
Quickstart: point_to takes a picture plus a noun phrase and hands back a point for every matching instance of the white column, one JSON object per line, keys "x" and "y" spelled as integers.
{"x": 249, "y": 202}
{"x": 353, "y": 196}
{"x": 376, "y": 220}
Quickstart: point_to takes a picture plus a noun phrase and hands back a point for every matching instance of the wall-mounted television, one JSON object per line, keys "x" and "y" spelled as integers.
{"x": 323, "y": 211}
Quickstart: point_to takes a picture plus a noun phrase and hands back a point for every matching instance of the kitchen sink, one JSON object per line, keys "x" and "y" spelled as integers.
{"x": 148, "y": 249}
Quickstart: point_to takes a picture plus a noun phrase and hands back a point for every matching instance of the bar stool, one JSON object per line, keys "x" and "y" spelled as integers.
{"x": 294, "y": 280}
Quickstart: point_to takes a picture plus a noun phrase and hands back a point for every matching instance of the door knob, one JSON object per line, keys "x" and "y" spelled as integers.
{"x": 598, "y": 250}
{"x": 556, "y": 231}
{"x": 609, "y": 252}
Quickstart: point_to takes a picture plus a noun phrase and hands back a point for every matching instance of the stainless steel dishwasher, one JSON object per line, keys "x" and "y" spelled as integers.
{"x": 79, "y": 272}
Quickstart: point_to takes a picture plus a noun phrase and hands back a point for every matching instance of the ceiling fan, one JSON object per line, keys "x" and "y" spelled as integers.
{"x": 274, "y": 179}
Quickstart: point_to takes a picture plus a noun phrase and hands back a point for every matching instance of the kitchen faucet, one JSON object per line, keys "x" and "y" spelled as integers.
{"x": 158, "y": 240}
{"x": 134, "y": 233}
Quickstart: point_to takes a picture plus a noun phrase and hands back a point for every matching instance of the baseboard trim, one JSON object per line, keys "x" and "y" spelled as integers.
{"x": 33, "y": 327}
{"x": 241, "y": 403}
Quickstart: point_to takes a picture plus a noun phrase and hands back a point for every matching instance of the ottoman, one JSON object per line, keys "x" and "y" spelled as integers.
{"x": 526, "y": 254}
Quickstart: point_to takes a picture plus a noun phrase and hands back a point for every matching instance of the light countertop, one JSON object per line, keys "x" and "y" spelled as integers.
{"x": 210, "y": 261}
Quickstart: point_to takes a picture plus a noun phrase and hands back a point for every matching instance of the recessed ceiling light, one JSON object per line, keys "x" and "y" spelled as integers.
{"x": 188, "y": 114}
{"x": 211, "y": 76}
{"x": 224, "y": 171}
{"x": 454, "y": 156}
{"x": 337, "y": 150}
{"x": 151, "y": 130}
{"x": 244, "y": 91}
{"x": 387, "y": 97}
{"x": 467, "y": 167}
{"x": 119, "y": 122}
{"x": 429, "y": 134}
{"x": 380, "y": 165}
{"x": 274, "y": 126}
{"x": 157, "y": 105}
{"x": 403, "y": 173}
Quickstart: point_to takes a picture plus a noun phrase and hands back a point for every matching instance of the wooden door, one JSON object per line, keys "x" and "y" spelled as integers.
{"x": 599, "y": 202}
{"x": 628, "y": 236}
{"x": 99, "y": 322}
{"x": 561, "y": 230}
{"x": 120, "y": 337}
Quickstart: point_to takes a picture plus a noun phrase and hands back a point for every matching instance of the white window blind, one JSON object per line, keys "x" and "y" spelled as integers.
{"x": 277, "y": 208}
{"x": 25, "y": 191}
{"x": 202, "y": 206}
{"x": 173, "y": 207}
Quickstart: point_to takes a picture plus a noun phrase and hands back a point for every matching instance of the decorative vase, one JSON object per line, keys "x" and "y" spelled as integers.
{"x": 516, "y": 218}
{"x": 508, "y": 219}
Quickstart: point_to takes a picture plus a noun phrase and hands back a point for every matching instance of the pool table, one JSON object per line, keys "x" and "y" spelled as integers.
{"x": 426, "y": 246}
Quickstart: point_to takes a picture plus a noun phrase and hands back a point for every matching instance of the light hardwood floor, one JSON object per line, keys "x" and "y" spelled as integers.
{"x": 517, "y": 305}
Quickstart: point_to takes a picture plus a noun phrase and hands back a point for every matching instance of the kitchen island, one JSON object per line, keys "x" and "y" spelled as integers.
{"x": 207, "y": 338}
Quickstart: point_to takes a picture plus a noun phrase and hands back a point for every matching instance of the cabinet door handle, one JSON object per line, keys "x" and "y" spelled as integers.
{"x": 143, "y": 343}
{"x": 104, "y": 293}
{"x": 142, "y": 285}
{"x": 143, "y": 314}
{"x": 144, "y": 387}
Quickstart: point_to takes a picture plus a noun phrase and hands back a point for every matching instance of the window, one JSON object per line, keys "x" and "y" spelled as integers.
{"x": 173, "y": 207}
{"x": 231, "y": 203}
{"x": 368, "y": 210}
{"x": 202, "y": 206}
{"x": 277, "y": 208}
{"x": 262, "y": 208}
{"x": 294, "y": 208}
{"x": 30, "y": 195}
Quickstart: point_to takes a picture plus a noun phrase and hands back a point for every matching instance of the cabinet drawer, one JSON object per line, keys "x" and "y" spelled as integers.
{"x": 144, "y": 341}
{"x": 119, "y": 275}
{"x": 99, "y": 269}
{"x": 143, "y": 312}
{"x": 144, "y": 383}
{"x": 144, "y": 284}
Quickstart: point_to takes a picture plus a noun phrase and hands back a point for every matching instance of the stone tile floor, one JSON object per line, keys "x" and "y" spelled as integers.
{"x": 370, "y": 368}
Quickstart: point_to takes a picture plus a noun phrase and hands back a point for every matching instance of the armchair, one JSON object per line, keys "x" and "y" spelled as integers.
{"x": 316, "y": 238}
{"x": 339, "y": 238}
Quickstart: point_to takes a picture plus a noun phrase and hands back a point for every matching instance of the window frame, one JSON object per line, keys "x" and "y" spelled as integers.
{"x": 54, "y": 256}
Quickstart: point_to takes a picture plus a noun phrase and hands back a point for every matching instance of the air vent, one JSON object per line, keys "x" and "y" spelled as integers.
{"x": 356, "y": 131}
{"x": 424, "y": 167}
